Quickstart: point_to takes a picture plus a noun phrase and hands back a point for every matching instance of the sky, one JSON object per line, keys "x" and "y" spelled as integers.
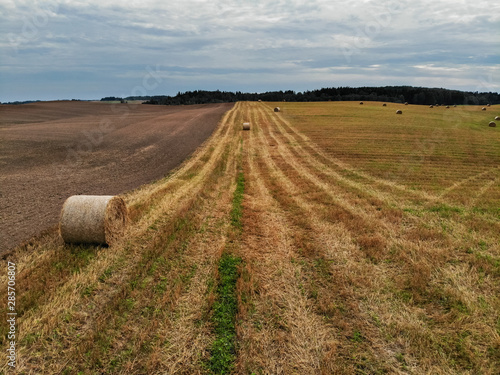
{"x": 64, "y": 49}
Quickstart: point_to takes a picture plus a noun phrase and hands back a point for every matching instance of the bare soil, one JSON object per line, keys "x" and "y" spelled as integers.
{"x": 51, "y": 150}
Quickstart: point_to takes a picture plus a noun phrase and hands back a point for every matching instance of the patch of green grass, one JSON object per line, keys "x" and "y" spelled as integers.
{"x": 357, "y": 336}
{"x": 224, "y": 316}
{"x": 106, "y": 274}
{"x": 87, "y": 292}
{"x": 445, "y": 211}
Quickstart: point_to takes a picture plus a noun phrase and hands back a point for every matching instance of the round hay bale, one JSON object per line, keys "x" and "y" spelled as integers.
{"x": 492, "y": 124}
{"x": 497, "y": 118}
{"x": 455, "y": 106}
{"x": 431, "y": 106}
{"x": 406, "y": 103}
{"x": 483, "y": 109}
{"x": 399, "y": 112}
{"x": 277, "y": 109}
{"x": 487, "y": 105}
{"x": 360, "y": 103}
{"x": 447, "y": 106}
{"x": 246, "y": 126}
{"x": 384, "y": 105}
{"x": 96, "y": 219}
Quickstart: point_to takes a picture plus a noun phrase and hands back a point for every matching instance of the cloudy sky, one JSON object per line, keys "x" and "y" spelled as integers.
{"x": 94, "y": 48}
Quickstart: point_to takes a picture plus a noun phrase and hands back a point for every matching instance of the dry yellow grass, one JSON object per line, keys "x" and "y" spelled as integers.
{"x": 369, "y": 245}
{"x": 407, "y": 289}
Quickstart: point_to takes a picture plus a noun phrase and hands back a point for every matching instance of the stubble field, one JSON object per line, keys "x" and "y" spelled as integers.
{"x": 331, "y": 238}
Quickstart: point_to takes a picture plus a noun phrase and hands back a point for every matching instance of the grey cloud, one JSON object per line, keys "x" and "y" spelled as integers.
{"x": 248, "y": 44}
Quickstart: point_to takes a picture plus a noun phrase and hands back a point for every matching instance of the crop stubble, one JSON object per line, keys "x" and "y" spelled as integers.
{"x": 349, "y": 266}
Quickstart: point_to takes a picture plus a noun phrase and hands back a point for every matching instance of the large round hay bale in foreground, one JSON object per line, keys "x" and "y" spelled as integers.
{"x": 492, "y": 124}
{"x": 94, "y": 219}
{"x": 246, "y": 126}
{"x": 399, "y": 112}
{"x": 277, "y": 109}
{"x": 497, "y": 118}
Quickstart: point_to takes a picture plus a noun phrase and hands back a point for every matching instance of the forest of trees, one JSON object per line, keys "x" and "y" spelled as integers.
{"x": 396, "y": 94}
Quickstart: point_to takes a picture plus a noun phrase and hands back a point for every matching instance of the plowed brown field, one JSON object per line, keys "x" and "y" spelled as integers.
{"x": 51, "y": 150}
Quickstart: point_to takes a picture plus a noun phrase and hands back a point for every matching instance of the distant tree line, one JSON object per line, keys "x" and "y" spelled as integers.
{"x": 395, "y": 94}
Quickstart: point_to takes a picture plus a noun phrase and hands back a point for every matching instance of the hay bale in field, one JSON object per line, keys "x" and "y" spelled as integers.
{"x": 447, "y": 106}
{"x": 492, "y": 124}
{"x": 431, "y": 106}
{"x": 277, "y": 109}
{"x": 360, "y": 103}
{"x": 487, "y": 105}
{"x": 97, "y": 219}
{"x": 399, "y": 112}
{"x": 483, "y": 109}
{"x": 384, "y": 105}
{"x": 497, "y": 118}
{"x": 455, "y": 106}
{"x": 406, "y": 103}
{"x": 246, "y": 126}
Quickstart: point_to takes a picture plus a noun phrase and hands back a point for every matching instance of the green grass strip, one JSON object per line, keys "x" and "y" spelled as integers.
{"x": 224, "y": 317}
{"x": 226, "y": 305}
{"x": 237, "y": 210}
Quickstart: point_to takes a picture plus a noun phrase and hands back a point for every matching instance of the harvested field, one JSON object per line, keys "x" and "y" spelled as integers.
{"x": 50, "y": 151}
{"x": 342, "y": 239}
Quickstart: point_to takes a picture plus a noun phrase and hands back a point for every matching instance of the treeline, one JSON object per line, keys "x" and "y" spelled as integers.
{"x": 395, "y": 94}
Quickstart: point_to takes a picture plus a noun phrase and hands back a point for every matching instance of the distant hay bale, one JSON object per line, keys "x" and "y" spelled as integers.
{"x": 406, "y": 103}
{"x": 277, "y": 109}
{"x": 447, "y": 106}
{"x": 95, "y": 219}
{"x": 260, "y": 100}
{"x": 431, "y": 106}
{"x": 483, "y": 109}
{"x": 360, "y": 103}
{"x": 492, "y": 124}
{"x": 437, "y": 105}
{"x": 455, "y": 106}
{"x": 487, "y": 105}
{"x": 399, "y": 112}
{"x": 246, "y": 126}
{"x": 384, "y": 105}
{"x": 497, "y": 118}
